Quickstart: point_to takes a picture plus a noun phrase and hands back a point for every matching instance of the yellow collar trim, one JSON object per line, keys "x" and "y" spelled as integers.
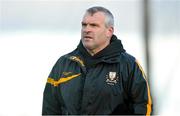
{"x": 77, "y": 59}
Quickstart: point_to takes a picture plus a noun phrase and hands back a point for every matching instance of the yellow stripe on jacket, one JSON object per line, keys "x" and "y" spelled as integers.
{"x": 61, "y": 80}
{"x": 149, "y": 104}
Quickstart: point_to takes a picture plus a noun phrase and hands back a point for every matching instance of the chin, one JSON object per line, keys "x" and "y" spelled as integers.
{"x": 87, "y": 46}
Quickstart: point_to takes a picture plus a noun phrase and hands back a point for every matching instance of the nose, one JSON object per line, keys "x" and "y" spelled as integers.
{"x": 86, "y": 28}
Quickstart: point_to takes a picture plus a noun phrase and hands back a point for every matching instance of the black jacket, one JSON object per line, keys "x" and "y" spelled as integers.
{"x": 110, "y": 82}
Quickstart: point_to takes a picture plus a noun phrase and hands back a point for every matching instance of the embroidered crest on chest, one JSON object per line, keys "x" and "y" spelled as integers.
{"x": 112, "y": 78}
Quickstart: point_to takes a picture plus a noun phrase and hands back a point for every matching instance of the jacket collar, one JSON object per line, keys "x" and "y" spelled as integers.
{"x": 109, "y": 54}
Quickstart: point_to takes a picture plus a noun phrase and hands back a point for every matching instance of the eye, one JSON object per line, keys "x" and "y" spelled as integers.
{"x": 94, "y": 25}
{"x": 84, "y": 24}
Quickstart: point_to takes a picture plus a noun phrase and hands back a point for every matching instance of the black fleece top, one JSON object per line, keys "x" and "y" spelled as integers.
{"x": 110, "y": 82}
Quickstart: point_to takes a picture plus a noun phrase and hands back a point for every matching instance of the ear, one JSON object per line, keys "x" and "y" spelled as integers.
{"x": 110, "y": 31}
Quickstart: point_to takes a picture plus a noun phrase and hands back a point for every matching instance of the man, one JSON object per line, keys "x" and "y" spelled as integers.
{"x": 98, "y": 77}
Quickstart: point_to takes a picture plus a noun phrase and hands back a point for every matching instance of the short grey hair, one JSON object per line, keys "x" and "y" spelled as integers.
{"x": 109, "y": 20}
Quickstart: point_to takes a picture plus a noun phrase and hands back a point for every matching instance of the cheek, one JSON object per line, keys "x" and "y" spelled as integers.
{"x": 102, "y": 35}
{"x": 101, "y": 40}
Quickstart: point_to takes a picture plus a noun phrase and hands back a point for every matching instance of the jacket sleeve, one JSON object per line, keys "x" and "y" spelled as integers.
{"x": 51, "y": 105}
{"x": 140, "y": 91}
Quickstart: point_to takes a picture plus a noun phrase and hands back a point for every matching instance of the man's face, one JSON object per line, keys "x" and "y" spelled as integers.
{"x": 94, "y": 34}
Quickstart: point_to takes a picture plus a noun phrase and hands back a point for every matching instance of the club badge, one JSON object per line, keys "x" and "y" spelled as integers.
{"x": 111, "y": 78}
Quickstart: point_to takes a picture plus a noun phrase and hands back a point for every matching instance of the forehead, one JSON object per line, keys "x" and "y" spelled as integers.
{"x": 96, "y": 17}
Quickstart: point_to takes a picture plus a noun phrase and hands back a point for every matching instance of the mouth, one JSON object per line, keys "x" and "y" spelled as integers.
{"x": 87, "y": 37}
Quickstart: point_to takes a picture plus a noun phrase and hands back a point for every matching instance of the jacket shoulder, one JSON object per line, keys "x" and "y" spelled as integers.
{"x": 68, "y": 55}
{"x": 127, "y": 64}
{"x": 61, "y": 63}
{"x": 127, "y": 58}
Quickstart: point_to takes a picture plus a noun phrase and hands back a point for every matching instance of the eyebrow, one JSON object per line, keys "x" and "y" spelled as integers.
{"x": 92, "y": 24}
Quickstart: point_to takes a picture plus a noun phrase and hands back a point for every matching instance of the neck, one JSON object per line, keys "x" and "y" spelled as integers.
{"x": 92, "y": 52}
